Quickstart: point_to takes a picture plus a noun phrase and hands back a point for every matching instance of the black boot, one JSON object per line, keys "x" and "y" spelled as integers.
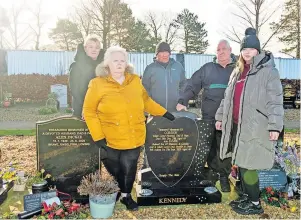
{"x": 242, "y": 198}
{"x": 248, "y": 208}
{"x": 225, "y": 185}
{"x": 129, "y": 202}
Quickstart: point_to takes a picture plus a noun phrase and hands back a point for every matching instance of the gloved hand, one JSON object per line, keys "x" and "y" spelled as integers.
{"x": 102, "y": 144}
{"x": 169, "y": 116}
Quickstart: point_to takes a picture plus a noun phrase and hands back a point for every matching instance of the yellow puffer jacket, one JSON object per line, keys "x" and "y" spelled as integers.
{"x": 116, "y": 112}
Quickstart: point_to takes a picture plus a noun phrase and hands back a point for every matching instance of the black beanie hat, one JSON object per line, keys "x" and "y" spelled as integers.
{"x": 163, "y": 47}
{"x": 250, "y": 40}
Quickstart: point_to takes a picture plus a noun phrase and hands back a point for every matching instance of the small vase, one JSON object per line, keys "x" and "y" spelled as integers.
{"x": 40, "y": 187}
{"x": 102, "y": 206}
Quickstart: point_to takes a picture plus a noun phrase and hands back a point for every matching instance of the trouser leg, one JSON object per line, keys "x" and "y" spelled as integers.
{"x": 250, "y": 183}
{"x": 128, "y": 168}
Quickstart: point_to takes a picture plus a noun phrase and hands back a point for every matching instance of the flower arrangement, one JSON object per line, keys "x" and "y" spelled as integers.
{"x": 8, "y": 174}
{"x": 288, "y": 159}
{"x": 274, "y": 197}
{"x": 38, "y": 178}
{"x": 66, "y": 210}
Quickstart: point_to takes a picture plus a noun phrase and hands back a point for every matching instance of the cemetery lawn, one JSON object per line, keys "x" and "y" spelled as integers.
{"x": 26, "y": 112}
{"x": 18, "y": 132}
{"x": 22, "y": 151}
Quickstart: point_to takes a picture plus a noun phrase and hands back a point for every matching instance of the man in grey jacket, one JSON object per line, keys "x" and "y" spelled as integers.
{"x": 213, "y": 77}
{"x": 164, "y": 79}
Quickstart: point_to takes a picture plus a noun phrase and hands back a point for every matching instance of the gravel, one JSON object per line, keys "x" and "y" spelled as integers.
{"x": 22, "y": 151}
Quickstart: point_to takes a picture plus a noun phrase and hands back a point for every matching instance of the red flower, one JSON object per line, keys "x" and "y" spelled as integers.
{"x": 272, "y": 192}
{"x": 270, "y": 199}
{"x": 51, "y": 215}
{"x": 59, "y": 212}
{"x": 269, "y": 189}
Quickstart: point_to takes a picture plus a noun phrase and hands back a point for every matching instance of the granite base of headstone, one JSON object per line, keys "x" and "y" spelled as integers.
{"x": 66, "y": 150}
{"x": 4, "y": 188}
{"x": 174, "y": 160}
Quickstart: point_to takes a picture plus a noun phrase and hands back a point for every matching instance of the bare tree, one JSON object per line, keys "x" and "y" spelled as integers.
{"x": 4, "y": 23}
{"x": 170, "y": 30}
{"x": 20, "y": 36}
{"x": 83, "y": 20}
{"x": 162, "y": 27}
{"x": 155, "y": 23}
{"x": 253, "y": 13}
{"x": 37, "y": 28}
{"x": 101, "y": 13}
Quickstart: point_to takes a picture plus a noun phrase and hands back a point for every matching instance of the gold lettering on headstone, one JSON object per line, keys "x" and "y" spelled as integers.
{"x": 170, "y": 139}
{"x": 67, "y": 137}
{"x": 172, "y": 200}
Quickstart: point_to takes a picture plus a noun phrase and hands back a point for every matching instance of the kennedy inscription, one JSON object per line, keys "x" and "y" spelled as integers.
{"x": 172, "y": 200}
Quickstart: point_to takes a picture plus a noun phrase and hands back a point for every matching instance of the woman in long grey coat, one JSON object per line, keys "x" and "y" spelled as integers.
{"x": 251, "y": 118}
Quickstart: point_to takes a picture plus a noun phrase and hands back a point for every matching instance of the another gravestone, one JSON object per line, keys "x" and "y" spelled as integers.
{"x": 169, "y": 175}
{"x": 61, "y": 91}
{"x": 66, "y": 150}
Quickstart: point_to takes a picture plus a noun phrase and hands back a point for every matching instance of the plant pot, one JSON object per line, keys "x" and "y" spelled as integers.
{"x": 102, "y": 206}
{"x": 39, "y": 187}
{"x": 6, "y": 104}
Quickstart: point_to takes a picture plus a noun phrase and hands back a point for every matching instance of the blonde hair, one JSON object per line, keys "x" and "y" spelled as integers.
{"x": 240, "y": 64}
{"x": 92, "y": 37}
{"x": 103, "y": 68}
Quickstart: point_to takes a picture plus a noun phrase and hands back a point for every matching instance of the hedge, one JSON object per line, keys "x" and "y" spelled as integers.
{"x": 31, "y": 87}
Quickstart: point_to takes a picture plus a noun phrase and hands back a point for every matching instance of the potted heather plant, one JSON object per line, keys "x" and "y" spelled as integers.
{"x": 102, "y": 191}
{"x": 38, "y": 182}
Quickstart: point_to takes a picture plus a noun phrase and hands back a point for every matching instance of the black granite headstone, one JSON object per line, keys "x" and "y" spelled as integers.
{"x": 169, "y": 173}
{"x": 66, "y": 150}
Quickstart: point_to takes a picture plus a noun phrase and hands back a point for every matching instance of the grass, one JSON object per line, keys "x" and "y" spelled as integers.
{"x": 31, "y": 132}
{"x": 294, "y": 130}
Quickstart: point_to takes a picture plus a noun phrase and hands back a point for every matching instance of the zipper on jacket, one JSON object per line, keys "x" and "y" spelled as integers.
{"x": 261, "y": 113}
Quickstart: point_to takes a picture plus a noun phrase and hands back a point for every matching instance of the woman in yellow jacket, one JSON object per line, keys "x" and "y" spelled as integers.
{"x": 114, "y": 109}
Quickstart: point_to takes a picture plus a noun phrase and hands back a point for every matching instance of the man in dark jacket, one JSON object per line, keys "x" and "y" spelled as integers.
{"x": 164, "y": 78}
{"x": 82, "y": 70}
{"x": 213, "y": 77}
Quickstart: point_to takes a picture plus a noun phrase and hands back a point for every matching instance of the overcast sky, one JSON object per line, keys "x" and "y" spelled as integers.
{"x": 216, "y": 13}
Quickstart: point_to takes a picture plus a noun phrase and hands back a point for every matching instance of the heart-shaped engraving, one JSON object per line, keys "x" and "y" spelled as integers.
{"x": 171, "y": 147}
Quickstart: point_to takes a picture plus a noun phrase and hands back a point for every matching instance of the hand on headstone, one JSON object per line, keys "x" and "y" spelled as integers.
{"x": 181, "y": 107}
{"x": 169, "y": 116}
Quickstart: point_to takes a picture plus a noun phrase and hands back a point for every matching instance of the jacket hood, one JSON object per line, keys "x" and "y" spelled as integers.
{"x": 264, "y": 59}
{"x": 81, "y": 55}
{"x": 103, "y": 71}
{"x": 233, "y": 59}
